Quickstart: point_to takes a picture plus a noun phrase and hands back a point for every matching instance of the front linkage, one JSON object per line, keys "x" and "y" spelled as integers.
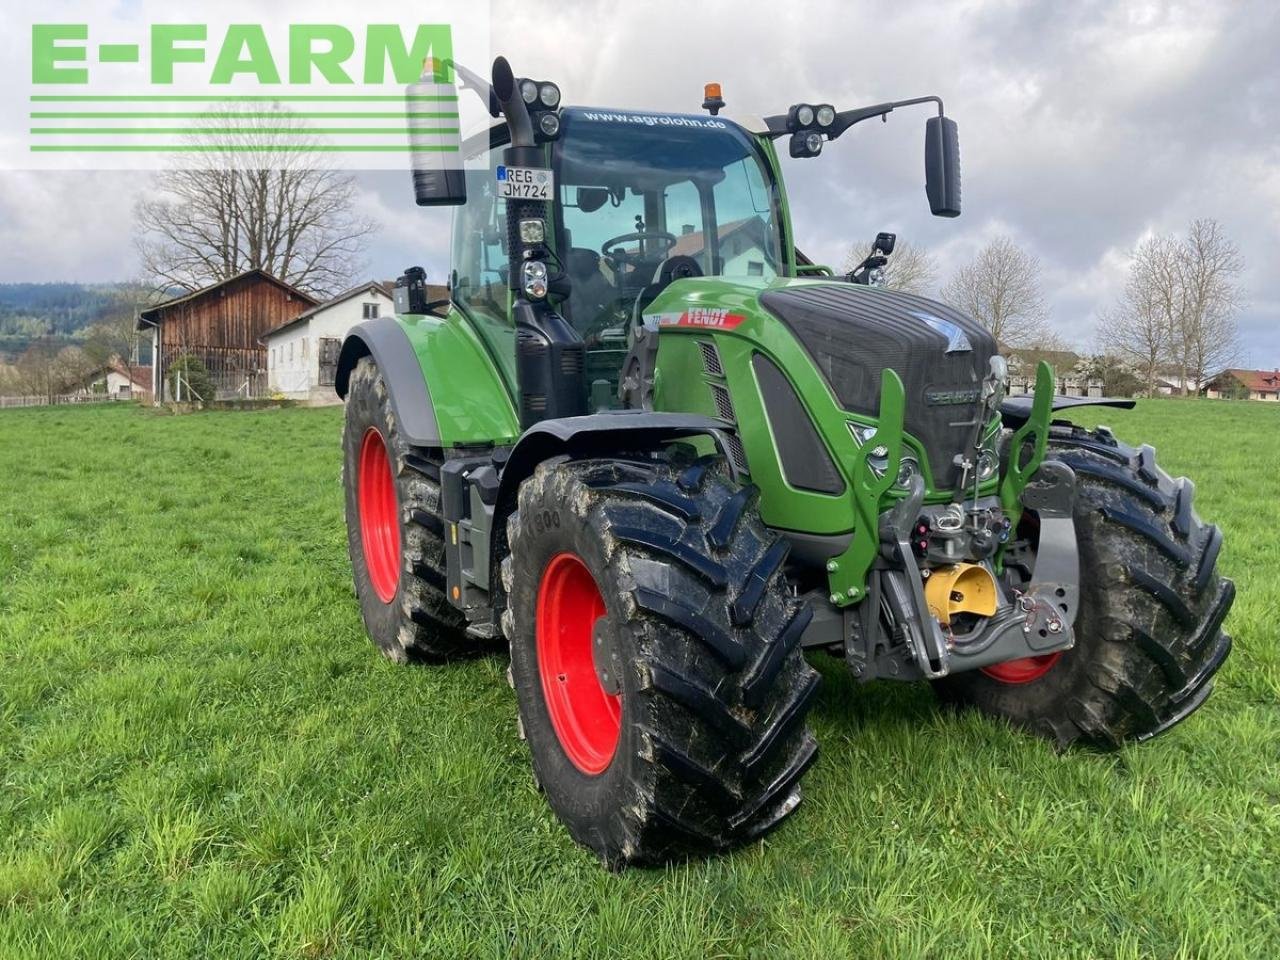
{"x": 892, "y": 615}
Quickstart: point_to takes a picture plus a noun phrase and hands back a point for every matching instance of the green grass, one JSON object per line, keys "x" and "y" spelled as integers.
{"x": 202, "y": 755}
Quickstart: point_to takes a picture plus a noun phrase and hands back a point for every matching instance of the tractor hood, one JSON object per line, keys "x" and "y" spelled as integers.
{"x": 852, "y": 333}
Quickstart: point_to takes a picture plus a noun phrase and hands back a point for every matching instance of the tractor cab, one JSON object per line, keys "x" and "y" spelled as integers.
{"x": 639, "y": 201}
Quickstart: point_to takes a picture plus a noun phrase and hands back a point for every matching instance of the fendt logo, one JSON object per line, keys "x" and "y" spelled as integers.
{"x": 152, "y": 85}
{"x": 323, "y": 52}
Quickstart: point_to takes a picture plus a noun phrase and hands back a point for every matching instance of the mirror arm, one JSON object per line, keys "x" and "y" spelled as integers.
{"x": 776, "y": 126}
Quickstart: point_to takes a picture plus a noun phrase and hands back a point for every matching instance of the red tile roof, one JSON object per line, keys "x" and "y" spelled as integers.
{"x": 1255, "y": 381}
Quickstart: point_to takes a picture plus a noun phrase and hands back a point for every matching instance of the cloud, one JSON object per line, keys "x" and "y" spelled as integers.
{"x": 1083, "y": 127}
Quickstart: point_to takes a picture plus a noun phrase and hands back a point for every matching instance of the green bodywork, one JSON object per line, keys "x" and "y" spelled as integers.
{"x": 473, "y": 401}
{"x": 468, "y": 363}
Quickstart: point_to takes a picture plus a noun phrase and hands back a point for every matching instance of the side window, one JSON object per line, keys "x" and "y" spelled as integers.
{"x": 478, "y": 281}
{"x": 745, "y": 217}
{"x": 683, "y": 209}
{"x": 479, "y": 249}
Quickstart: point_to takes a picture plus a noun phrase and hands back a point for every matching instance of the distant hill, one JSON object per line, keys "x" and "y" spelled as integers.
{"x": 60, "y": 310}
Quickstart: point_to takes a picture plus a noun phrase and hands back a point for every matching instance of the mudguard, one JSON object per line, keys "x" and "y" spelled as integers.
{"x": 445, "y": 389}
{"x": 603, "y": 433}
{"x": 386, "y": 342}
{"x": 1016, "y": 410}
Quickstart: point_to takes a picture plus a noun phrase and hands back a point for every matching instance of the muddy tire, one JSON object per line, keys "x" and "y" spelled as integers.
{"x": 1149, "y": 633}
{"x": 682, "y": 731}
{"x": 394, "y": 531}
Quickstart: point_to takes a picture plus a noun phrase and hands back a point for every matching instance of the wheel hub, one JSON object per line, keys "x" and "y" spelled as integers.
{"x": 379, "y": 516}
{"x": 1024, "y": 670}
{"x": 585, "y": 713}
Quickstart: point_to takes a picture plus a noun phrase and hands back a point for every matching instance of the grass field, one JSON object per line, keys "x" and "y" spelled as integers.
{"x": 202, "y": 755}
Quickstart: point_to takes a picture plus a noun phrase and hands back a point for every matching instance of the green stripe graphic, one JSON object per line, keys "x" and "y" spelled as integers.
{"x": 412, "y": 115}
{"x": 238, "y": 148}
{"x": 265, "y": 98}
{"x": 206, "y": 131}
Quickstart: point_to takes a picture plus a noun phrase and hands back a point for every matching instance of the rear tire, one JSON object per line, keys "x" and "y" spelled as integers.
{"x": 1149, "y": 632}
{"x": 706, "y": 744}
{"x": 394, "y": 530}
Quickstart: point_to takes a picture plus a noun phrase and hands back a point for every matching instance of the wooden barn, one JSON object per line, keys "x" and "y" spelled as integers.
{"x": 222, "y": 326}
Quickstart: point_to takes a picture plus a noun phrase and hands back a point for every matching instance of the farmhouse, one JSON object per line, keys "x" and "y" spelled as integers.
{"x": 302, "y": 353}
{"x": 1071, "y": 377}
{"x": 221, "y": 326}
{"x": 117, "y": 380}
{"x": 1236, "y": 384}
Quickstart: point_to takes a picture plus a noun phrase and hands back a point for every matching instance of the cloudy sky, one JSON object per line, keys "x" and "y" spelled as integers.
{"x": 1083, "y": 127}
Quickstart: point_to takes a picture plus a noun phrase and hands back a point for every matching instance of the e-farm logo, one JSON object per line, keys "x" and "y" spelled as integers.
{"x": 243, "y": 88}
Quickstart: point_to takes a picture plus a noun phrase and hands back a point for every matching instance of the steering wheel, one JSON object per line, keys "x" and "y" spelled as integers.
{"x": 668, "y": 240}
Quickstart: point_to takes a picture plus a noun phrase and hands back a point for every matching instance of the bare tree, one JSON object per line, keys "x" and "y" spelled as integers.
{"x": 1178, "y": 307}
{"x": 44, "y": 370}
{"x": 295, "y": 220}
{"x": 116, "y": 336}
{"x": 1139, "y": 329}
{"x": 36, "y": 369}
{"x": 910, "y": 269}
{"x": 1206, "y": 335}
{"x": 1001, "y": 289}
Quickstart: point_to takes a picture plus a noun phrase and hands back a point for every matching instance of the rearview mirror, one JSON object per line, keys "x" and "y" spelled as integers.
{"x": 942, "y": 166}
{"x": 437, "y": 187}
{"x": 434, "y": 155}
{"x": 591, "y": 199}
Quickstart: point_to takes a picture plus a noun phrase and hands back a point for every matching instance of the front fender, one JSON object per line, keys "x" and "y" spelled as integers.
{"x": 602, "y": 434}
{"x": 445, "y": 389}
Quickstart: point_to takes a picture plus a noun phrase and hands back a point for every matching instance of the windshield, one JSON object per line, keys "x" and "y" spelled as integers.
{"x": 637, "y": 190}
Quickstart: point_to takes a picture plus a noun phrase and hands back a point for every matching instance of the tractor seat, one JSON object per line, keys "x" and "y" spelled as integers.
{"x": 679, "y": 267}
{"x": 591, "y": 292}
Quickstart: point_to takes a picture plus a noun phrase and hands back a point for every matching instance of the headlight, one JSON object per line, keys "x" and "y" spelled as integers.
{"x": 826, "y": 115}
{"x": 804, "y": 115}
{"x": 529, "y": 91}
{"x": 907, "y": 470}
{"x": 878, "y": 460}
{"x": 535, "y": 279}
{"x": 549, "y": 124}
{"x": 813, "y": 142}
{"x": 988, "y": 464}
{"x": 549, "y": 94}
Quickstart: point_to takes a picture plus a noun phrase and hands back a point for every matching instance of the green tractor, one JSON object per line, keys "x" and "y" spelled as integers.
{"x": 663, "y": 455}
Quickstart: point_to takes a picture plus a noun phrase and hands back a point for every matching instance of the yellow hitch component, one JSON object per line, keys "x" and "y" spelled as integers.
{"x": 963, "y": 588}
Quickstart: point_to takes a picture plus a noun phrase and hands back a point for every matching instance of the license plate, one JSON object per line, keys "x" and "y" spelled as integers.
{"x": 524, "y": 183}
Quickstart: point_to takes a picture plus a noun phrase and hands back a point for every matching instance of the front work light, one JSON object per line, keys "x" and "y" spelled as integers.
{"x": 549, "y": 94}
{"x": 528, "y": 91}
{"x": 533, "y": 231}
{"x": 549, "y": 124}
{"x": 804, "y": 115}
{"x": 826, "y": 115}
{"x": 806, "y": 143}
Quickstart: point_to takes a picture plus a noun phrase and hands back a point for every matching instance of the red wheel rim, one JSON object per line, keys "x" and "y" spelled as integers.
{"x": 587, "y": 719}
{"x": 1024, "y": 670}
{"x": 379, "y": 516}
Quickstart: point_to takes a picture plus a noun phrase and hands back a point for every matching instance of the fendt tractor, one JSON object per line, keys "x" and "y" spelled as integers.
{"x": 664, "y": 455}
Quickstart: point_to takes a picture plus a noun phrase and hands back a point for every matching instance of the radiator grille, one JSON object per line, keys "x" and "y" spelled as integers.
{"x": 736, "y": 452}
{"x": 711, "y": 358}
{"x": 723, "y": 404}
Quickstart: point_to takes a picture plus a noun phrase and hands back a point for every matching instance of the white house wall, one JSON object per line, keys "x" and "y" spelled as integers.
{"x": 293, "y": 354}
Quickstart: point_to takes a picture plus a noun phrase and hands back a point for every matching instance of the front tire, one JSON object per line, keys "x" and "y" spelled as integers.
{"x": 1149, "y": 632}
{"x": 394, "y": 530}
{"x": 655, "y": 655}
